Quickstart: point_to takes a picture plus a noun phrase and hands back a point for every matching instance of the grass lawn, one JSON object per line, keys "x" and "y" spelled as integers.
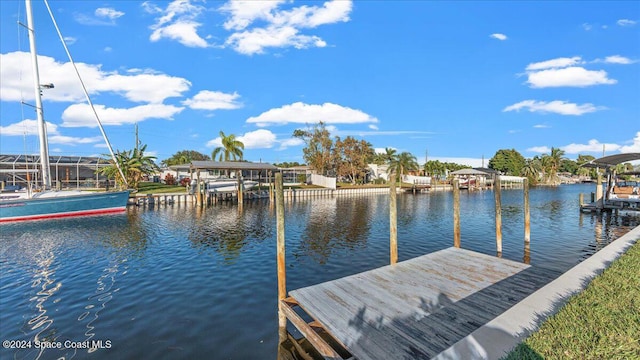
{"x": 602, "y": 322}
{"x": 159, "y": 188}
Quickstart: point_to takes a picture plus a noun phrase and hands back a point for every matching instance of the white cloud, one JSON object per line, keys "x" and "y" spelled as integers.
{"x": 101, "y": 16}
{"x": 617, "y": 59}
{"x": 256, "y": 40}
{"x": 80, "y": 115}
{"x": 30, "y": 128}
{"x": 70, "y": 40}
{"x": 301, "y": 113}
{"x": 499, "y": 36}
{"x": 554, "y": 63}
{"x": 278, "y": 28}
{"x": 243, "y": 13}
{"x": 541, "y": 126}
{"x": 177, "y": 22}
{"x": 540, "y": 149}
{"x": 16, "y": 81}
{"x": 213, "y": 100}
{"x": 626, "y": 22}
{"x": 569, "y": 76}
{"x": 259, "y": 139}
{"x": 587, "y": 26}
{"x": 287, "y": 143}
{"x": 108, "y": 13}
{"x": 373, "y": 127}
{"x": 69, "y": 140}
{"x": 26, "y": 127}
{"x": 313, "y": 16}
{"x": 634, "y": 146}
{"x": 557, "y": 106}
{"x": 592, "y": 146}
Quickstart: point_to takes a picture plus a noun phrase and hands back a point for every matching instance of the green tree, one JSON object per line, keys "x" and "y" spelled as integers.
{"x": 318, "y": 152}
{"x": 287, "y": 164}
{"x": 352, "y": 157}
{"x": 569, "y": 166}
{"x": 184, "y": 157}
{"x": 551, "y": 165}
{"x": 134, "y": 164}
{"x": 509, "y": 162}
{"x": 402, "y": 164}
{"x": 531, "y": 170}
{"x": 585, "y": 171}
{"x": 231, "y": 149}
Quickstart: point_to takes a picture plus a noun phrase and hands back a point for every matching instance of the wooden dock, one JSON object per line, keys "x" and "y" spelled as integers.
{"x": 413, "y": 309}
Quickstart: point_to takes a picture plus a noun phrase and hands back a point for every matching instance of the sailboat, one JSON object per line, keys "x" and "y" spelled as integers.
{"x": 49, "y": 204}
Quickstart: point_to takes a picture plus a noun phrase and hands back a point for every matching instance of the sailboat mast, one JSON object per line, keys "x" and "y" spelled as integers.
{"x": 42, "y": 126}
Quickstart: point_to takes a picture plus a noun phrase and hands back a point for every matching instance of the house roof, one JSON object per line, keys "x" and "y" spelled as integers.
{"x": 612, "y": 160}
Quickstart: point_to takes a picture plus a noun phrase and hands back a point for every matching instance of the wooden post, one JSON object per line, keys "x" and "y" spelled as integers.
{"x": 599, "y": 197}
{"x": 393, "y": 220}
{"x": 280, "y": 242}
{"x": 240, "y": 193}
{"x": 581, "y": 199}
{"x": 456, "y": 213}
{"x": 497, "y": 192}
{"x": 527, "y": 213}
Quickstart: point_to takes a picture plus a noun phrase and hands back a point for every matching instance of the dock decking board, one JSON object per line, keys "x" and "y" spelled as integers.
{"x": 417, "y": 308}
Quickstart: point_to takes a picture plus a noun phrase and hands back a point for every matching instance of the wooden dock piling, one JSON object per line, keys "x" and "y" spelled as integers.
{"x": 456, "y": 213}
{"x": 393, "y": 221}
{"x": 527, "y": 213}
{"x": 280, "y": 244}
{"x": 497, "y": 193}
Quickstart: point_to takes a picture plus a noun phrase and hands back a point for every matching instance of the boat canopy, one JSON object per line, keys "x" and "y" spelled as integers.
{"x": 469, "y": 172}
{"x": 612, "y": 160}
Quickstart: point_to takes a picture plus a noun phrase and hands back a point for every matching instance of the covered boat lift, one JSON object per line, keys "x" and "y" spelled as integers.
{"x": 615, "y": 197}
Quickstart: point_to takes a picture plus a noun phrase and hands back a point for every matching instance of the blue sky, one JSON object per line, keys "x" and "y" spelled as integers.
{"x": 455, "y": 80}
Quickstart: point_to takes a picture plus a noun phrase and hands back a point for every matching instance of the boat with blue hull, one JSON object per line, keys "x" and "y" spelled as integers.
{"x": 50, "y": 204}
{"x": 61, "y": 204}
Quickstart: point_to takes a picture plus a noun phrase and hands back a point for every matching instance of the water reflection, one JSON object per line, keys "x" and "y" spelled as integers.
{"x": 40, "y": 326}
{"x": 334, "y": 224}
{"x": 226, "y": 230}
{"x": 43, "y": 249}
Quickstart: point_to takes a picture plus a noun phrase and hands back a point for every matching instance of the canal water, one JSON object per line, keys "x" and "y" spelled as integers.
{"x": 178, "y": 282}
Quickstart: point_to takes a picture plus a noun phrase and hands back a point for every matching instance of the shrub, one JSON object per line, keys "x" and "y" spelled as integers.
{"x": 185, "y": 181}
{"x": 169, "y": 179}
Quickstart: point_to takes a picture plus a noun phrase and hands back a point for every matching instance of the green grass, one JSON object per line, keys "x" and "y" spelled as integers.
{"x": 602, "y": 322}
{"x": 159, "y": 188}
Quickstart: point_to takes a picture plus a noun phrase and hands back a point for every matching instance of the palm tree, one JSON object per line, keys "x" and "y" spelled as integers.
{"x": 401, "y": 164}
{"x": 389, "y": 154}
{"x": 231, "y": 149}
{"x": 134, "y": 164}
{"x": 531, "y": 170}
{"x": 551, "y": 164}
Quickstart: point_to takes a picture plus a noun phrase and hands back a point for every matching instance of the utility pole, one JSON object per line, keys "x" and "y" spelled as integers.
{"x": 137, "y": 141}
